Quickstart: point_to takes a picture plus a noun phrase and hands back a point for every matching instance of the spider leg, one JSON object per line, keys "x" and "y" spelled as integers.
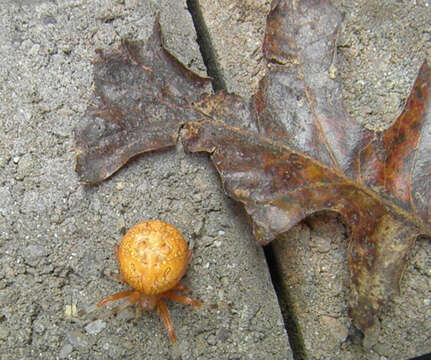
{"x": 132, "y": 300}
{"x": 181, "y": 287}
{"x": 181, "y": 299}
{"x": 164, "y": 314}
{"x": 115, "y": 297}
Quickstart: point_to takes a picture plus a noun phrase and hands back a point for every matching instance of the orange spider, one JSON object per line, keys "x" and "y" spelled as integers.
{"x": 152, "y": 259}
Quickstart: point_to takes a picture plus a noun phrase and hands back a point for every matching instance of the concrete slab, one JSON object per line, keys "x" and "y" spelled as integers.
{"x": 57, "y": 237}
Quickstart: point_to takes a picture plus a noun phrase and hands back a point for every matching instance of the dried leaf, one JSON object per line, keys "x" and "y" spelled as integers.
{"x": 291, "y": 152}
{"x": 142, "y": 96}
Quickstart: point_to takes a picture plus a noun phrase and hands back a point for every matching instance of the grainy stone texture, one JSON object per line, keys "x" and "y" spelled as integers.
{"x": 57, "y": 237}
{"x": 381, "y": 46}
{"x": 236, "y": 29}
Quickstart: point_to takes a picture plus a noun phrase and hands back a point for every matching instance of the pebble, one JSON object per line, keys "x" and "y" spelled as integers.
{"x": 95, "y": 327}
{"x": 3, "y": 161}
{"x": 4, "y": 333}
{"x": 382, "y": 349}
{"x": 212, "y": 340}
{"x": 113, "y": 351}
{"x": 120, "y": 186}
{"x": 65, "y": 351}
{"x": 77, "y": 339}
{"x": 322, "y": 244}
{"x": 223, "y": 334}
{"x": 126, "y": 315}
{"x": 337, "y": 329}
{"x": 34, "y": 50}
{"x": 33, "y": 253}
{"x": 25, "y": 167}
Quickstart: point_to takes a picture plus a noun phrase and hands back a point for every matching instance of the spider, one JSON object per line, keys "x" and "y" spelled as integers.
{"x": 152, "y": 259}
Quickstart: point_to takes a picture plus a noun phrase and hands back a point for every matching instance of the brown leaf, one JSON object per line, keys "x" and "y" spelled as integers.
{"x": 309, "y": 156}
{"x": 142, "y": 96}
{"x": 291, "y": 152}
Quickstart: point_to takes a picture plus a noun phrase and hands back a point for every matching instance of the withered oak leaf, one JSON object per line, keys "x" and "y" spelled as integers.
{"x": 142, "y": 96}
{"x": 291, "y": 151}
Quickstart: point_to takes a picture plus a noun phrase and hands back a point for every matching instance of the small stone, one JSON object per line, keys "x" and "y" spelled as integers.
{"x": 126, "y": 315}
{"x": 77, "y": 339}
{"x": 25, "y": 167}
{"x": 113, "y": 351}
{"x": 223, "y": 334}
{"x": 33, "y": 253}
{"x": 383, "y": 349}
{"x": 65, "y": 351}
{"x": 3, "y": 161}
{"x": 212, "y": 340}
{"x": 34, "y": 50}
{"x": 95, "y": 327}
{"x": 371, "y": 355}
{"x": 48, "y": 20}
{"x": 336, "y": 328}
{"x": 39, "y": 326}
{"x": 4, "y": 333}
{"x": 322, "y": 244}
{"x": 129, "y": 345}
{"x": 120, "y": 186}
{"x": 26, "y": 44}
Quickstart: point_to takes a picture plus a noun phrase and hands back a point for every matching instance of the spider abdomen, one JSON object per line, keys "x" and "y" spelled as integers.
{"x": 152, "y": 257}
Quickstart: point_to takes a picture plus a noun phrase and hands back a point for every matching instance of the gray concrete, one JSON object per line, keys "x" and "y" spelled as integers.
{"x": 236, "y": 29}
{"x": 57, "y": 237}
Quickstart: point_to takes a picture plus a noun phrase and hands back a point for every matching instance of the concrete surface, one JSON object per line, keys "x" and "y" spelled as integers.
{"x": 57, "y": 237}
{"x": 236, "y": 29}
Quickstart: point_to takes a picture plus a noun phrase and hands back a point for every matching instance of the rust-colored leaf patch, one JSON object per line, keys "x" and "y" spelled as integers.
{"x": 290, "y": 152}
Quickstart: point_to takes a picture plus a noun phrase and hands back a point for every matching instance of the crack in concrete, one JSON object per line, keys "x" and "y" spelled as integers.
{"x": 214, "y": 70}
{"x": 207, "y": 50}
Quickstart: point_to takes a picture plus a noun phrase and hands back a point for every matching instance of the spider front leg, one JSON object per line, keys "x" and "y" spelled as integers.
{"x": 181, "y": 287}
{"x": 185, "y": 300}
{"x": 133, "y": 298}
{"x": 115, "y": 297}
{"x": 164, "y": 314}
